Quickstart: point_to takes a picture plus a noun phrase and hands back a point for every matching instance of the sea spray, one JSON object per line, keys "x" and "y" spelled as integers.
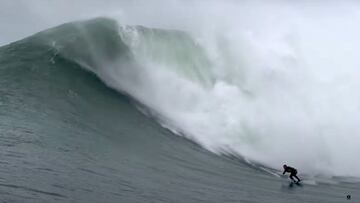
{"x": 284, "y": 93}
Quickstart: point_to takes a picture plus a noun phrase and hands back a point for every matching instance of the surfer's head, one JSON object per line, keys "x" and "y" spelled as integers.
{"x": 284, "y": 166}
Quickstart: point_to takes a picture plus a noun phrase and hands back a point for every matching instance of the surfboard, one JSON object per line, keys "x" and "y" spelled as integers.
{"x": 292, "y": 183}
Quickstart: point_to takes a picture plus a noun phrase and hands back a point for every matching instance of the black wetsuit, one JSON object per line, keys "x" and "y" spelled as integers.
{"x": 292, "y": 172}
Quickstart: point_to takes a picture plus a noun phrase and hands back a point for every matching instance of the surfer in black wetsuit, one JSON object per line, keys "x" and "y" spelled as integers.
{"x": 292, "y": 172}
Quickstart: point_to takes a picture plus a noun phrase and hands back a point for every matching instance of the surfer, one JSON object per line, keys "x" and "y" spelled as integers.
{"x": 292, "y": 172}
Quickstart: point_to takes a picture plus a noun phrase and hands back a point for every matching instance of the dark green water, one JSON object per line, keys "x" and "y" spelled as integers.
{"x": 67, "y": 137}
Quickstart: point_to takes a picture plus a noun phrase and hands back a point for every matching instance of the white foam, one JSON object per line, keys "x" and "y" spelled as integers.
{"x": 286, "y": 88}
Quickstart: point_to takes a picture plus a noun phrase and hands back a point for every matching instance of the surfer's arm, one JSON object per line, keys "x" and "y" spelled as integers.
{"x": 284, "y": 172}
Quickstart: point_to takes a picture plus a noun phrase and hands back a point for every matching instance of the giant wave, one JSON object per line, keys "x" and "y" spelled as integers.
{"x": 66, "y": 136}
{"x": 269, "y": 102}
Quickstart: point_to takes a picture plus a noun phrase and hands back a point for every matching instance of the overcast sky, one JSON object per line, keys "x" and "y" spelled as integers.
{"x": 21, "y": 18}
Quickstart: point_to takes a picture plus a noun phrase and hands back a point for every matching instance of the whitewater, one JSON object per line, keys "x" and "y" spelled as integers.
{"x": 254, "y": 84}
{"x": 273, "y": 83}
{"x": 274, "y": 89}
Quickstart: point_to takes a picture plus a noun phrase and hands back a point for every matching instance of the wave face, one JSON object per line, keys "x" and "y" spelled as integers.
{"x": 270, "y": 98}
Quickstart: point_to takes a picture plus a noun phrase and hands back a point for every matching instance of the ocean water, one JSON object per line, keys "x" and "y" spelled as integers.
{"x": 103, "y": 111}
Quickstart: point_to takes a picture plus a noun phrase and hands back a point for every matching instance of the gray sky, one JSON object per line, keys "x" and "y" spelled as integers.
{"x": 21, "y": 18}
